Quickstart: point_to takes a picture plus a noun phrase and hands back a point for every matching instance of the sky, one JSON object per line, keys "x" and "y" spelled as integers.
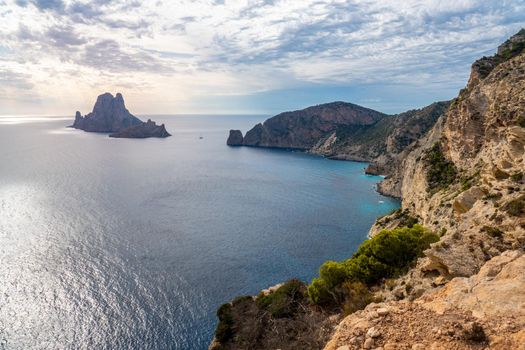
{"x": 243, "y": 56}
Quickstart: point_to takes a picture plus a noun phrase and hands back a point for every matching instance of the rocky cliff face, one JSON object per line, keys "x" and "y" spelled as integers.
{"x": 110, "y": 115}
{"x": 463, "y": 179}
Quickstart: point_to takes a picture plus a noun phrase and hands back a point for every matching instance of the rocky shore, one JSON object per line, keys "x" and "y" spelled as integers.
{"x": 459, "y": 169}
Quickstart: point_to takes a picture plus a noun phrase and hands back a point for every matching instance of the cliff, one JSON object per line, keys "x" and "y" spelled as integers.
{"x": 463, "y": 180}
{"x": 110, "y": 115}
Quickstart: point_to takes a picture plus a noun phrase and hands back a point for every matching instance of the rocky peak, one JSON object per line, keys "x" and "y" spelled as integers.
{"x": 110, "y": 115}
{"x": 511, "y": 48}
{"x": 513, "y": 45}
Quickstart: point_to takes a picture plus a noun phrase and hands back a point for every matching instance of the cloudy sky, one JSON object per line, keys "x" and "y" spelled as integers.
{"x": 243, "y": 56}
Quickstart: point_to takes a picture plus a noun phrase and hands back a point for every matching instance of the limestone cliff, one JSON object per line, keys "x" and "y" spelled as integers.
{"x": 465, "y": 181}
{"x": 385, "y": 144}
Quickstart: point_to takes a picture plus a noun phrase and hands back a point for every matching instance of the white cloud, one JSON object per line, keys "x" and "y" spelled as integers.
{"x": 168, "y": 54}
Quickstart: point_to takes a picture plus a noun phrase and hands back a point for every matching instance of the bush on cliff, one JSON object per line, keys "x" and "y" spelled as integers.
{"x": 440, "y": 171}
{"x": 284, "y": 301}
{"x": 516, "y": 207}
{"x": 385, "y": 255}
{"x": 224, "y": 329}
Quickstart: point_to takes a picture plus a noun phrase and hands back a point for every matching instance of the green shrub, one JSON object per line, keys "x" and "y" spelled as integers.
{"x": 492, "y": 231}
{"x": 284, "y": 301}
{"x": 441, "y": 172}
{"x": 517, "y": 177}
{"x": 241, "y": 299}
{"x": 385, "y": 255}
{"x": 319, "y": 293}
{"x": 521, "y": 120}
{"x": 224, "y": 329}
{"x": 516, "y": 207}
{"x": 513, "y": 50}
{"x": 405, "y": 219}
{"x": 469, "y": 181}
{"x": 491, "y": 196}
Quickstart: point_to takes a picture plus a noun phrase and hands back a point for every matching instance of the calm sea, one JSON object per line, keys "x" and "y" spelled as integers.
{"x": 133, "y": 244}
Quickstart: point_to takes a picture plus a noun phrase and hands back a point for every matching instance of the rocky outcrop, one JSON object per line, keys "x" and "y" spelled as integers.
{"x": 486, "y": 310}
{"x": 304, "y": 128}
{"x": 110, "y": 115}
{"x": 235, "y": 138}
{"x": 142, "y": 131}
{"x": 259, "y": 323}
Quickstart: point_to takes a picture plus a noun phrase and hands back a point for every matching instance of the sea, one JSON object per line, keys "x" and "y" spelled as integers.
{"x": 134, "y": 243}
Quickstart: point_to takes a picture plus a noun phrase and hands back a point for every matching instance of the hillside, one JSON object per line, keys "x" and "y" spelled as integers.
{"x": 302, "y": 129}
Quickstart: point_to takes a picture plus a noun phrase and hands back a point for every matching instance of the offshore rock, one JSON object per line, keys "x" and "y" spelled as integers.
{"x": 235, "y": 138}
{"x": 110, "y": 115}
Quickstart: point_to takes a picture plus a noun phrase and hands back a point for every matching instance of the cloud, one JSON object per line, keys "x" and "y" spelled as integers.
{"x": 15, "y": 80}
{"x": 62, "y": 36}
{"x": 43, "y": 5}
{"x": 107, "y": 55}
{"x": 253, "y": 47}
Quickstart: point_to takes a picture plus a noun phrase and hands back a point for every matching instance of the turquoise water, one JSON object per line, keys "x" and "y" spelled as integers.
{"x": 133, "y": 244}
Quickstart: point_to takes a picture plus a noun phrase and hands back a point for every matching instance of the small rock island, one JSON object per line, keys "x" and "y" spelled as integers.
{"x": 235, "y": 138}
{"x": 110, "y": 115}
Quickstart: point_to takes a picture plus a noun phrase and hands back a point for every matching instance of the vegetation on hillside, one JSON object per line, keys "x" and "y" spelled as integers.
{"x": 386, "y": 255}
{"x": 513, "y": 48}
{"x": 441, "y": 172}
{"x": 284, "y": 301}
{"x": 224, "y": 329}
{"x": 516, "y": 207}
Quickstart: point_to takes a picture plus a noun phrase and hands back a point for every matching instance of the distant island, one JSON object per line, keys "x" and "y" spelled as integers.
{"x": 110, "y": 115}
